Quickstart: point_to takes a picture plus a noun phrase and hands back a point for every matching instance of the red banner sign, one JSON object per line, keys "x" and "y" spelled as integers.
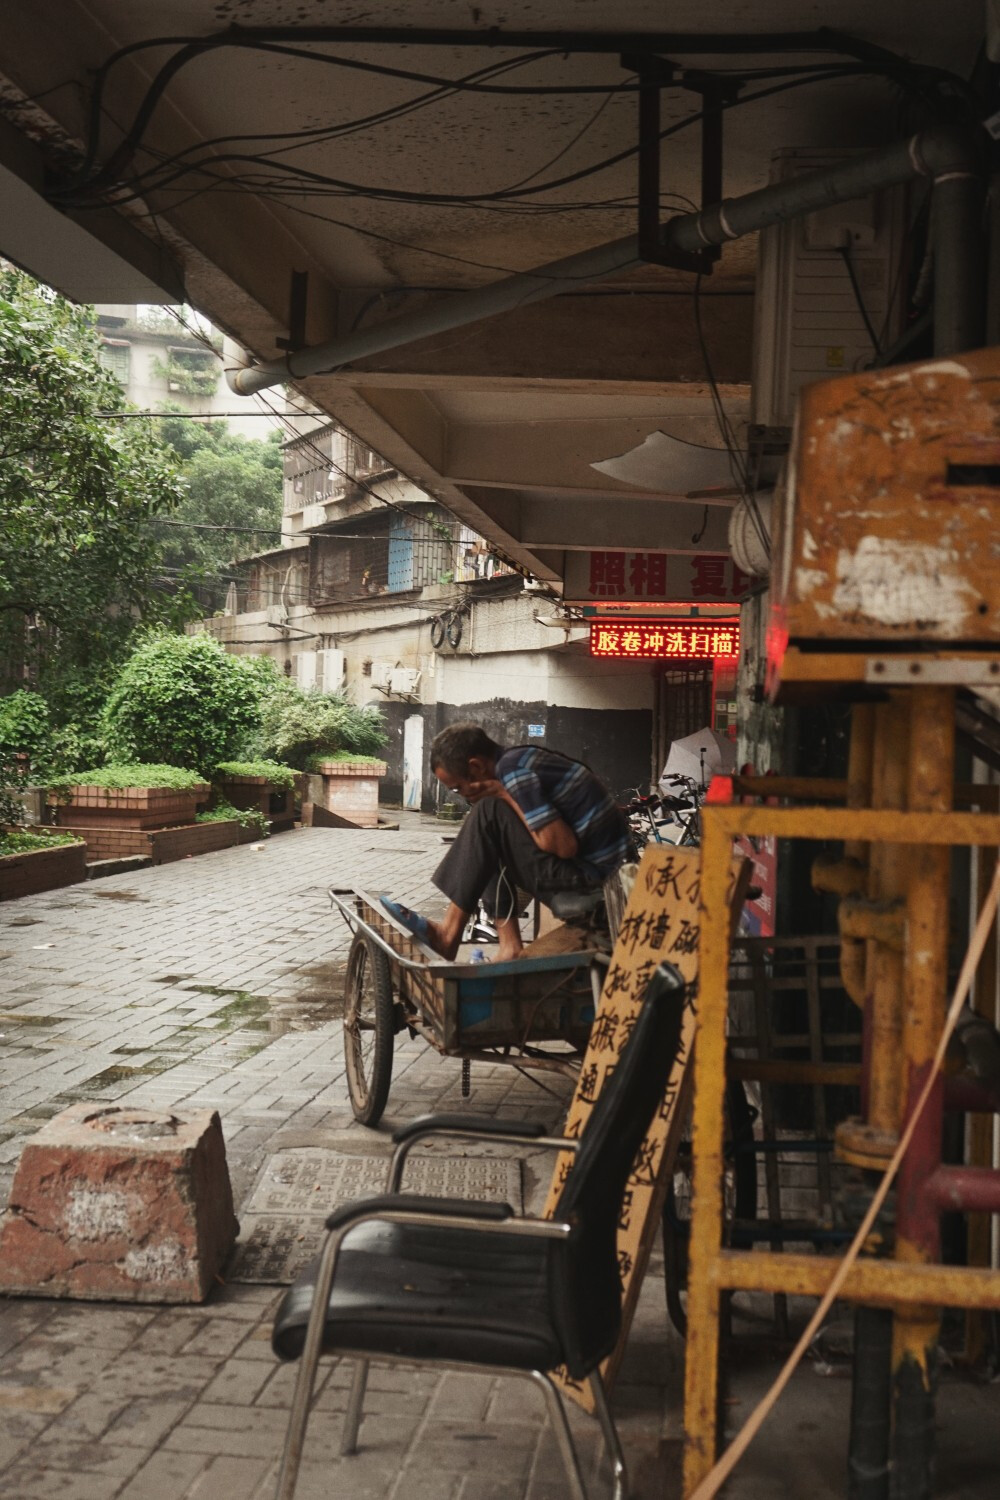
{"x": 672, "y": 640}
{"x": 653, "y": 577}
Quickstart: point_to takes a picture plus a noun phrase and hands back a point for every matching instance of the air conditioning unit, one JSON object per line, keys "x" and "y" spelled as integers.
{"x": 305, "y": 669}
{"x": 812, "y": 274}
{"x": 330, "y": 669}
{"x": 381, "y": 673}
{"x": 274, "y": 614}
{"x": 404, "y": 681}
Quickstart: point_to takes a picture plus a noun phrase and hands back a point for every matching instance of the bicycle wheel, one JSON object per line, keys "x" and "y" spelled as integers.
{"x": 453, "y": 630}
{"x": 368, "y": 1029}
{"x": 739, "y": 1196}
{"x": 437, "y": 632}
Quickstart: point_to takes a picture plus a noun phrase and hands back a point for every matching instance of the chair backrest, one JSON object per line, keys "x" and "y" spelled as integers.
{"x": 586, "y": 1286}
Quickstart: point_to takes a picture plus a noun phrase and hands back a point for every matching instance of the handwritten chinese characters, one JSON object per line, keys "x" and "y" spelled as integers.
{"x": 661, "y": 921}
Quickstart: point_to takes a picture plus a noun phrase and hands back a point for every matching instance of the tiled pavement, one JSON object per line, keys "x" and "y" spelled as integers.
{"x": 216, "y": 982}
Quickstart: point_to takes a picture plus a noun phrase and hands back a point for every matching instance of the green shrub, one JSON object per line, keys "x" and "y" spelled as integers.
{"x": 184, "y": 700}
{"x": 26, "y": 728}
{"x": 296, "y": 725}
{"x": 120, "y": 777}
{"x": 277, "y": 775}
{"x": 246, "y": 817}
{"x": 26, "y": 843}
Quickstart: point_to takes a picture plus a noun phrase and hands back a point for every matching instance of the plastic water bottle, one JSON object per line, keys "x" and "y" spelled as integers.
{"x": 477, "y": 956}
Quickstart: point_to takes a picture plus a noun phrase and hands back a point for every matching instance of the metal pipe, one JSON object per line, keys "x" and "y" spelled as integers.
{"x": 964, "y": 1189}
{"x": 959, "y": 261}
{"x": 938, "y": 153}
{"x": 871, "y": 1407}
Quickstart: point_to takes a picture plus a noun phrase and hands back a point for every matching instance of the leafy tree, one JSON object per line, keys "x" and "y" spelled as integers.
{"x": 79, "y": 564}
{"x": 230, "y": 482}
{"x": 183, "y": 700}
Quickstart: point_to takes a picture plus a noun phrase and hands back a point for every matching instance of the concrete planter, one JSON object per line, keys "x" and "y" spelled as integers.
{"x": 41, "y": 869}
{"x": 127, "y": 807}
{"x": 350, "y": 789}
{"x": 261, "y": 795}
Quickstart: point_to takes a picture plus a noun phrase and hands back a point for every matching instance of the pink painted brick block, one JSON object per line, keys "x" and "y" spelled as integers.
{"x": 130, "y": 1205}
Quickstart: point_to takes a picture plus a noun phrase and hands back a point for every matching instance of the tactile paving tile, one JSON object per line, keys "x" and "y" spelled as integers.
{"x": 281, "y": 1222}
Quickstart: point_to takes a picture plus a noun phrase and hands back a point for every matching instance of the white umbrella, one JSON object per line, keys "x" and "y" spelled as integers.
{"x": 700, "y": 756}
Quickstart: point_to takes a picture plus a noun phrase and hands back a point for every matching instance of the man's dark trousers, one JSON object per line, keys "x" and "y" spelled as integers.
{"x": 493, "y": 839}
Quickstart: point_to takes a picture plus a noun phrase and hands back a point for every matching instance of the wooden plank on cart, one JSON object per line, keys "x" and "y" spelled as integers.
{"x": 661, "y": 921}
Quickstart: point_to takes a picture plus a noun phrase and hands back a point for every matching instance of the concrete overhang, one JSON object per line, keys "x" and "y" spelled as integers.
{"x": 500, "y": 420}
{"x": 101, "y": 259}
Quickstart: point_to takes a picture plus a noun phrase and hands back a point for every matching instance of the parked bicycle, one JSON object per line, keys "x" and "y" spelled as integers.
{"x": 448, "y": 626}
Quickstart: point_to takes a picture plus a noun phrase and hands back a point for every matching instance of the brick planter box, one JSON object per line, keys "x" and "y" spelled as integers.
{"x": 161, "y": 845}
{"x": 261, "y": 795}
{"x": 350, "y": 789}
{"x": 41, "y": 870}
{"x": 128, "y": 807}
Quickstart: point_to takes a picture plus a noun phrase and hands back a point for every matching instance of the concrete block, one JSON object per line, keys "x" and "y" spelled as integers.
{"x": 124, "y": 1204}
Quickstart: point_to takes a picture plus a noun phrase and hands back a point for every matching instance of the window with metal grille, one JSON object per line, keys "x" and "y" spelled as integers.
{"x": 114, "y": 355}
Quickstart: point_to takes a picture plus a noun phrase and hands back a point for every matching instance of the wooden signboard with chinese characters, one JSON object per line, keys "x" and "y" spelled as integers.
{"x": 662, "y": 921}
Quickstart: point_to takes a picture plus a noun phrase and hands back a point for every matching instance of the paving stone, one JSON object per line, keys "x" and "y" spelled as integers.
{"x": 143, "y": 1424}
{"x": 228, "y": 1476}
{"x": 30, "y": 1482}
{"x": 166, "y": 1475}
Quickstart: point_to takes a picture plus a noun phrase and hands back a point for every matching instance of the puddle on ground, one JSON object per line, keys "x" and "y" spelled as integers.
{"x": 307, "y": 1011}
{"x": 118, "y": 896}
{"x": 172, "y": 978}
{"x": 118, "y": 1073}
{"x": 24, "y": 921}
{"x": 18, "y": 1018}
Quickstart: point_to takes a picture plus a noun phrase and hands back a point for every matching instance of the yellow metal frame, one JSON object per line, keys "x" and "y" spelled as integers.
{"x": 712, "y": 1270}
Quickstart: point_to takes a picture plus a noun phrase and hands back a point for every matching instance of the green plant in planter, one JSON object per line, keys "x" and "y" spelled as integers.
{"x": 246, "y": 817}
{"x": 314, "y": 762}
{"x": 184, "y": 700}
{"x": 276, "y": 775}
{"x": 121, "y": 777}
{"x": 16, "y": 842}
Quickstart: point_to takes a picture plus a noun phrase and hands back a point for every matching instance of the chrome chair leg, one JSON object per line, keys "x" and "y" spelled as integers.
{"x": 352, "y": 1417}
{"x": 291, "y": 1456}
{"x": 611, "y": 1438}
{"x": 560, "y": 1426}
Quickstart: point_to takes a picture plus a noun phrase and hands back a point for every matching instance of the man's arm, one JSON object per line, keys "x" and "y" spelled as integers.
{"x": 555, "y": 837}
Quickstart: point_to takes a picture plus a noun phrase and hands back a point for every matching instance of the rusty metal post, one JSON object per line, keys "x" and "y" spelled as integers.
{"x": 887, "y": 882}
{"x": 930, "y": 784}
{"x": 701, "y": 1365}
{"x": 980, "y": 1128}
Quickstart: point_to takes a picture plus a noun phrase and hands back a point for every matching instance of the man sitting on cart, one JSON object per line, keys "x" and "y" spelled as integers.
{"x": 539, "y": 822}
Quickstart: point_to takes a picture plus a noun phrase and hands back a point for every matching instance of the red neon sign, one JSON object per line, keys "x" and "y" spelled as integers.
{"x": 672, "y": 640}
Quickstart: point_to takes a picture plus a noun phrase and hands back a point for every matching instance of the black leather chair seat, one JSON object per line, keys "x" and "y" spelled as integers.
{"x": 431, "y": 1293}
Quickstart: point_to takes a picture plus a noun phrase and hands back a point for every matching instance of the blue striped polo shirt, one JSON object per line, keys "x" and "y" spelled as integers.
{"x": 547, "y": 786}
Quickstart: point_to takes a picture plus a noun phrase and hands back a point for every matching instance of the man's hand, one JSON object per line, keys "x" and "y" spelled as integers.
{"x": 478, "y": 791}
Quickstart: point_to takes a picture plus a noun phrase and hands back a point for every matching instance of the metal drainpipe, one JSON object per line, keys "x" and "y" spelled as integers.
{"x": 959, "y": 260}
{"x": 942, "y": 153}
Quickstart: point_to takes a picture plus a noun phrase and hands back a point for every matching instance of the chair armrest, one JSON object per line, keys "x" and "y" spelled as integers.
{"x": 462, "y": 1125}
{"x": 501, "y": 1132}
{"x": 417, "y": 1203}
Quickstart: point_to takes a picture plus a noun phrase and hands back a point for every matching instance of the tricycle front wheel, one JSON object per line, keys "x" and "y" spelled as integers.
{"x": 368, "y": 1029}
